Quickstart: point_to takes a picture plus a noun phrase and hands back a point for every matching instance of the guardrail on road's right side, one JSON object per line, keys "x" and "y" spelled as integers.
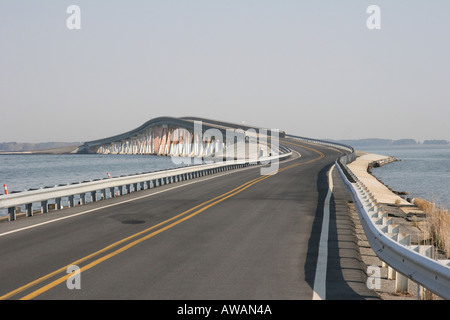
{"x": 391, "y": 247}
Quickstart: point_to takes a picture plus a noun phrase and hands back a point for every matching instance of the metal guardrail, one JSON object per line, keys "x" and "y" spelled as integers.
{"x": 390, "y": 246}
{"x": 117, "y": 185}
{"x": 430, "y": 273}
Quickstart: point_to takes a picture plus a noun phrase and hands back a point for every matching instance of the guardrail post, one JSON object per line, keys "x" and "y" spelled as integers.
{"x": 44, "y": 206}
{"x": 29, "y": 208}
{"x": 93, "y": 196}
{"x": 12, "y": 213}
{"x": 71, "y": 201}
{"x": 428, "y": 251}
{"x": 58, "y": 205}
{"x": 401, "y": 281}
{"x": 390, "y": 271}
{"x": 83, "y": 199}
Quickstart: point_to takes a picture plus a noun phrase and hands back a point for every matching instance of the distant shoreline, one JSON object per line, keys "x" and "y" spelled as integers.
{"x": 375, "y": 142}
{"x": 42, "y": 147}
{"x": 63, "y": 150}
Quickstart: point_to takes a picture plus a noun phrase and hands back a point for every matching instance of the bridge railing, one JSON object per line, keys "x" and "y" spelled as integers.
{"x": 410, "y": 261}
{"x": 78, "y": 193}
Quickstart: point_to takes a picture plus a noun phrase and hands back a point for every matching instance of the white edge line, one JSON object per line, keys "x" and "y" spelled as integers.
{"x": 319, "y": 291}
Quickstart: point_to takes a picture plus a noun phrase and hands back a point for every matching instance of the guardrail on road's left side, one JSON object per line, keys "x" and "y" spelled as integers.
{"x": 112, "y": 187}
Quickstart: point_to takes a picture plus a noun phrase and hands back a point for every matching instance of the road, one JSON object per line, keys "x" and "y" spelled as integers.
{"x": 233, "y": 235}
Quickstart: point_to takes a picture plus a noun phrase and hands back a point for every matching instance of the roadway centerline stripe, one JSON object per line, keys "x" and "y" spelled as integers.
{"x": 205, "y": 205}
{"x": 320, "y": 279}
{"x": 132, "y": 244}
{"x": 63, "y": 269}
{"x": 303, "y": 146}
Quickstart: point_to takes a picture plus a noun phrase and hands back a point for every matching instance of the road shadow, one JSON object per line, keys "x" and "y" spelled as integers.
{"x": 345, "y": 277}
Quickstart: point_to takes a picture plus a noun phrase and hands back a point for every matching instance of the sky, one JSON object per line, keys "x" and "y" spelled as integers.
{"x": 311, "y": 68}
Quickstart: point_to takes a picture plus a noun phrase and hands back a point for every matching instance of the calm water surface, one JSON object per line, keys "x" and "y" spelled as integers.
{"x": 22, "y": 172}
{"x": 424, "y": 171}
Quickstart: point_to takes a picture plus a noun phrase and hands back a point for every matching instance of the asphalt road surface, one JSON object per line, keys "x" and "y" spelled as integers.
{"x": 232, "y": 235}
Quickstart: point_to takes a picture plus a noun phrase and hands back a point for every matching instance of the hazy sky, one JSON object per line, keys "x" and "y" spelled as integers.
{"x": 312, "y": 68}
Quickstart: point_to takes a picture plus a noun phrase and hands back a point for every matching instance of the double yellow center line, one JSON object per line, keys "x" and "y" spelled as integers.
{"x": 129, "y": 242}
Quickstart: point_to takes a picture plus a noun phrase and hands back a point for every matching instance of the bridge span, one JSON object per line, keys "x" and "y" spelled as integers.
{"x": 234, "y": 234}
{"x": 187, "y": 137}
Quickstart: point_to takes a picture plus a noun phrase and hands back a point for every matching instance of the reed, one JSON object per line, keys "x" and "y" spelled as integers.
{"x": 437, "y": 224}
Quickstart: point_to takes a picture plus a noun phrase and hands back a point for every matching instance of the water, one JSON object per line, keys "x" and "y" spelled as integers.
{"x": 424, "y": 171}
{"x": 22, "y": 172}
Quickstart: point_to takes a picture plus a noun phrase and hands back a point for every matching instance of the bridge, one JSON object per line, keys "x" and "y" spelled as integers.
{"x": 187, "y": 137}
{"x": 216, "y": 230}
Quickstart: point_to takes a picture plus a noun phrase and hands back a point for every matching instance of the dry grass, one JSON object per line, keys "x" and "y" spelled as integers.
{"x": 437, "y": 224}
